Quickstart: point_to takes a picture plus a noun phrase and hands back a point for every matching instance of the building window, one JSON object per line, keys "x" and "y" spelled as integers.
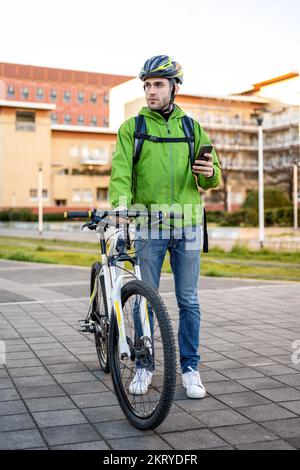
{"x": 40, "y": 93}
{"x": 80, "y": 119}
{"x": 80, "y": 97}
{"x": 87, "y": 195}
{"x": 60, "y": 202}
{"x": 106, "y": 98}
{"x": 53, "y": 94}
{"x": 33, "y": 194}
{"x": 94, "y": 97}
{"x": 67, "y": 96}
{"x": 54, "y": 118}
{"x": 25, "y": 121}
{"x": 102, "y": 194}
{"x": 10, "y": 91}
{"x": 25, "y": 92}
{"x": 94, "y": 121}
{"x": 67, "y": 118}
{"x": 76, "y": 195}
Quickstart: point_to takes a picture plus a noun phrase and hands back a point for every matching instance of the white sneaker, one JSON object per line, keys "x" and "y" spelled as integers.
{"x": 140, "y": 382}
{"x": 192, "y": 382}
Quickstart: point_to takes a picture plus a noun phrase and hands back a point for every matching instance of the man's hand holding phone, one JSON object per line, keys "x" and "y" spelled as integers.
{"x": 203, "y": 165}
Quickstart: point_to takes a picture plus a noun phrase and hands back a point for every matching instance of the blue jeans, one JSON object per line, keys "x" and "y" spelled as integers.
{"x": 184, "y": 248}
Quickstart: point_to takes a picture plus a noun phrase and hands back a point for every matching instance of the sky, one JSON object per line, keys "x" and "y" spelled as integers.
{"x": 223, "y": 46}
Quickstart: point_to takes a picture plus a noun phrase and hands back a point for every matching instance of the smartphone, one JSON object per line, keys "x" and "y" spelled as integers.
{"x": 204, "y": 149}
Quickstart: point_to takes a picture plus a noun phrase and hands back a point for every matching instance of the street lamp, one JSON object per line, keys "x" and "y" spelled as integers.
{"x": 258, "y": 115}
{"x": 40, "y": 198}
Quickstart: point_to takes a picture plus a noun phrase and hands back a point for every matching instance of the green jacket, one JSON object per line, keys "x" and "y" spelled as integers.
{"x": 162, "y": 175}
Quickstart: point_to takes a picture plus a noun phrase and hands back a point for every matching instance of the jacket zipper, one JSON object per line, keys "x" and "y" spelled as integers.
{"x": 171, "y": 166}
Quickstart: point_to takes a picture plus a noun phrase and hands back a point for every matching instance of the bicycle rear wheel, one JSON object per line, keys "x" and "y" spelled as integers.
{"x": 154, "y": 353}
{"x": 100, "y": 316}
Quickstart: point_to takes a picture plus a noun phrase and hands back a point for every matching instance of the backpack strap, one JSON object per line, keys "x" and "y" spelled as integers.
{"x": 188, "y": 129}
{"x": 140, "y": 129}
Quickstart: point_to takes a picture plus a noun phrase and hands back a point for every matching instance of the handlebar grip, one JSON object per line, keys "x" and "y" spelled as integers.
{"x": 78, "y": 215}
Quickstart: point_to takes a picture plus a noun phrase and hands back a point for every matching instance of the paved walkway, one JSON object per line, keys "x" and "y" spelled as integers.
{"x": 53, "y": 396}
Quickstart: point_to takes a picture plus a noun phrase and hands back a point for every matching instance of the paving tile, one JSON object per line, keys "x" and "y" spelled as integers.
{"x": 42, "y": 391}
{"x": 119, "y": 430}
{"x": 15, "y": 440}
{"x": 60, "y": 435}
{"x": 193, "y": 440}
{"x": 95, "y": 399}
{"x": 59, "y": 418}
{"x": 5, "y": 383}
{"x": 16, "y": 422}
{"x": 138, "y": 443}
{"x": 84, "y": 387}
{"x": 179, "y": 421}
{"x": 208, "y": 403}
{"x": 225, "y": 386}
{"x": 236, "y": 400}
{"x": 75, "y": 377}
{"x": 12, "y": 407}
{"x": 281, "y": 394}
{"x": 293, "y": 406}
{"x": 289, "y": 379}
{"x": 266, "y": 412}
{"x": 9, "y": 394}
{"x": 295, "y": 442}
{"x": 260, "y": 383}
{"x": 241, "y": 373}
{"x": 244, "y": 434}
{"x": 226, "y": 417}
{"x": 49, "y": 404}
{"x": 103, "y": 413}
{"x": 96, "y": 445}
{"x": 271, "y": 445}
{"x": 61, "y": 368}
{"x": 285, "y": 428}
{"x": 34, "y": 381}
{"x": 27, "y": 371}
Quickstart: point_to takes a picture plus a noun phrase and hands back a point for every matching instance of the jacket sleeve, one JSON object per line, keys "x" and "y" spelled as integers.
{"x": 120, "y": 186}
{"x": 201, "y": 138}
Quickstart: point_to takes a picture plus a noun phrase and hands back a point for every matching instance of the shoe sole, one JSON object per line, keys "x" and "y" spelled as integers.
{"x": 194, "y": 397}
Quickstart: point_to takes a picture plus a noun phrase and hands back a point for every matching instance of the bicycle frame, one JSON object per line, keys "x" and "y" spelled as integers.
{"x": 113, "y": 282}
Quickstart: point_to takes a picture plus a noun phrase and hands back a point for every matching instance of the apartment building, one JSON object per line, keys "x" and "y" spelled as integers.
{"x": 56, "y": 120}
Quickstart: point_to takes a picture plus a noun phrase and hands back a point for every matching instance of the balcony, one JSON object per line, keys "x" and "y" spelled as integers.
{"x": 93, "y": 157}
{"x": 227, "y": 126}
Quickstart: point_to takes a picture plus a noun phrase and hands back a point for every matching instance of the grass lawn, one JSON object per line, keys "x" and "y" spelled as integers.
{"x": 239, "y": 262}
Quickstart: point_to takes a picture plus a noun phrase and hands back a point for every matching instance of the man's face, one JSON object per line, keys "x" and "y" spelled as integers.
{"x": 158, "y": 92}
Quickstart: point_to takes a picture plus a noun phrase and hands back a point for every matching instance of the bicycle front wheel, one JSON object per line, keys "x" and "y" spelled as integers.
{"x": 152, "y": 357}
{"x": 100, "y": 316}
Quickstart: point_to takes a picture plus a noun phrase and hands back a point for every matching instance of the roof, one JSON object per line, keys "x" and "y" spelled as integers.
{"x": 28, "y": 105}
{"x": 92, "y": 130}
{"x": 271, "y": 81}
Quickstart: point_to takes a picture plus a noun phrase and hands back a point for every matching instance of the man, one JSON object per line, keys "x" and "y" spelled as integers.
{"x": 163, "y": 176}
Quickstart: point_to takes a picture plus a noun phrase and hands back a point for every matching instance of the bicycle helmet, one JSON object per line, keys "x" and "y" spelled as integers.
{"x": 161, "y": 66}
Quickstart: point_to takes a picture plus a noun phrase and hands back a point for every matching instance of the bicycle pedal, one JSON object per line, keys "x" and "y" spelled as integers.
{"x": 86, "y": 326}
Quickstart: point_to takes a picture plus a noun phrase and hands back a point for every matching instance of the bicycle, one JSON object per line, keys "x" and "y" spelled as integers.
{"x": 130, "y": 322}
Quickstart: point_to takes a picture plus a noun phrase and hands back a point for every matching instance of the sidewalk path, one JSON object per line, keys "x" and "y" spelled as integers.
{"x": 53, "y": 396}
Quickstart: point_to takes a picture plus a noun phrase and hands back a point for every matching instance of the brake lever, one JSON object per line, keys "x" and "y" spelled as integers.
{"x": 90, "y": 225}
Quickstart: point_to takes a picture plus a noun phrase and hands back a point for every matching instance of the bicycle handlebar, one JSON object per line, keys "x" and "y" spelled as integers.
{"x": 123, "y": 214}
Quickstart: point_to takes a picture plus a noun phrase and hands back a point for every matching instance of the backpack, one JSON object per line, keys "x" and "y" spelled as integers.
{"x": 140, "y": 135}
